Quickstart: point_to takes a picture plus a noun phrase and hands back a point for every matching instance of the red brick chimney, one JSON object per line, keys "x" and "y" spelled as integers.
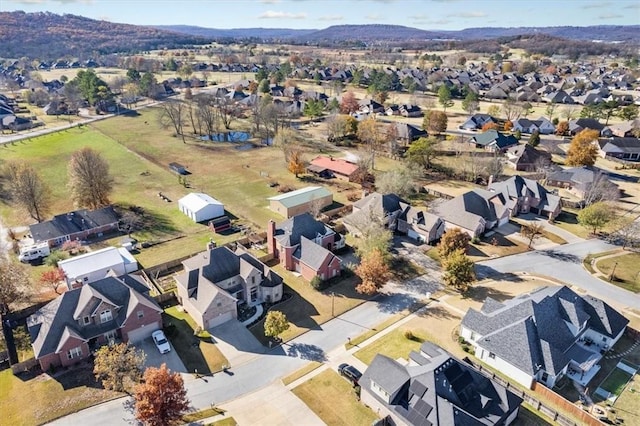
{"x": 271, "y": 241}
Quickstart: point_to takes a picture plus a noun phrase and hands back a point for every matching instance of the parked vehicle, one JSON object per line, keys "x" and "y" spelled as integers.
{"x": 161, "y": 341}
{"x": 350, "y": 373}
{"x": 33, "y": 252}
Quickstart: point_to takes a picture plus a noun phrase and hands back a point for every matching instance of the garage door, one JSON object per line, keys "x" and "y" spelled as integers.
{"x": 142, "y": 333}
{"x": 220, "y": 319}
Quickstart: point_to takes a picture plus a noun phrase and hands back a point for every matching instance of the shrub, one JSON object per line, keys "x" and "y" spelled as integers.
{"x": 408, "y": 334}
{"x": 317, "y": 283}
{"x": 475, "y": 240}
{"x": 461, "y": 340}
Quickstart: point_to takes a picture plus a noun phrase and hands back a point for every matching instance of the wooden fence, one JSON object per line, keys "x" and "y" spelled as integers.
{"x": 23, "y": 366}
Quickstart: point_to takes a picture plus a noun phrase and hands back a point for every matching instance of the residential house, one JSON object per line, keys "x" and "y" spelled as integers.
{"x": 200, "y": 207}
{"x": 559, "y": 97}
{"x": 576, "y": 126}
{"x": 477, "y": 121}
{"x": 522, "y": 195}
{"x": 493, "y": 140}
{"x": 626, "y": 129}
{"x": 76, "y": 225}
{"x": 541, "y": 125}
{"x": 305, "y": 245}
{"x": 580, "y": 180}
{"x": 525, "y": 158}
{"x": 407, "y": 133}
{"x": 474, "y": 212}
{"x": 311, "y": 198}
{"x": 329, "y": 167}
{"x": 397, "y": 215}
{"x": 67, "y": 329}
{"x": 435, "y": 388}
{"x": 96, "y": 265}
{"x": 544, "y": 335}
{"x": 621, "y": 148}
{"x": 369, "y": 106}
{"x": 215, "y": 281}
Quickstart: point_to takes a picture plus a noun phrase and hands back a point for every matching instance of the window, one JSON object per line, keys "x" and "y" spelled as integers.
{"x": 110, "y": 337}
{"x": 86, "y": 320}
{"x": 254, "y": 294}
{"x": 75, "y": 353}
{"x": 105, "y": 316}
{"x": 253, "y": 279}
{"x": 492, "y": 355}
{"x": 140, "y": 314}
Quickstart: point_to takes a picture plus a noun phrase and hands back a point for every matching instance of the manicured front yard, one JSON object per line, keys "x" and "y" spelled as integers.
{"x": 196, "y": 352}
{"x": 301, "y": 372}
{"x": 496, "y": 245}
{"x": 394, "y": 345}
{"x": 627, "y": 270}
{"x": 42, "y": 399}
{"x": 333, "y": 399}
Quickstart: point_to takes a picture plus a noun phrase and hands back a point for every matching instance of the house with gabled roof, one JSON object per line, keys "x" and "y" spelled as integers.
{"x": 215, "y": 281}
{"x": 541, "y": 125}
{"x": 67, "y": 329}
{"x": 622, "y": 148}
{"x": 334, "y": 167}
{"x": 474, "y": 212}
{"x": 544, "y": 335}
{"x": 493, "y": 140}
{"x": 98, "y": 264}
{"x": 476, "y": 121}
{"x": 522, "y": 195}
{"x": 75, "y": 225}
{"x": 435, "y": 388}
{"x": 580, "y": 180}
{"x": 524, "y": 157}
{"x": 305, "y": 245}
{"x": 300, "y": 201}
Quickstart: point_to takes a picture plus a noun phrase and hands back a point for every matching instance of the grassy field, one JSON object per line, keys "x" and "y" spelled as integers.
{"x": 333, "y": 399}
{"x": 41, "y": 399}
{"x": 527, "y": 416}
{"x": 196, "y": 352}
{"x": 394, "y": 345}
{"x": 616, "y": 381}
{"x": 301, "y": 372}
{"x": 627, "y": 405}
{"x": 496, "y": 245}
{"x": 627, "y": 271}
{"x": 355, "y": 341}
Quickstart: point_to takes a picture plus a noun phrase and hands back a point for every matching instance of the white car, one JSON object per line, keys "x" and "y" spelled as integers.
{"x": 161, "y": 341}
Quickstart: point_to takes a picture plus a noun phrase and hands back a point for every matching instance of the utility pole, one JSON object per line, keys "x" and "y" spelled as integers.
{"x": 332, "y": 304}
{"x": 613, "y": 271}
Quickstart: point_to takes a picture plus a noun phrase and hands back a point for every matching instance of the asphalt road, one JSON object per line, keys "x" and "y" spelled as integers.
{"x": 565, "y": 264}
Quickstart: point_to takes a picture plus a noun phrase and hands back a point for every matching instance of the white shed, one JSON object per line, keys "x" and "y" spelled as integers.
{"x": 200, "y": 207}
{"x": 95, "y": 265}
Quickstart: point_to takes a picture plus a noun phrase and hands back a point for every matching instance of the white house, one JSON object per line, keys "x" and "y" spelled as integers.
{"x": 96, "y": 265}
{"x": 544, "y": 335}
{"x": 200, "y": 207}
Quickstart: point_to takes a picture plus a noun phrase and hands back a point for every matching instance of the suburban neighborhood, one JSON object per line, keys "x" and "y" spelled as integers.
{"x": 292, "y": 228}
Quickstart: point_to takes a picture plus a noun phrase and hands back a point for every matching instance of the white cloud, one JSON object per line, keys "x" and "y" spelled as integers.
{"x": 270, "y": 14}
{"x": 597, "y": 5}
{"x": 610, "y": 16}
{"x": 373, "y": 17}
{"x": 468, "y": 15}
{"x": 270, "y": 1}
{"x": 331, "y": 18}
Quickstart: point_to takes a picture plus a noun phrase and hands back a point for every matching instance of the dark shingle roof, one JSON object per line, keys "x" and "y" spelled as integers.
{"x": 289, "y": 232}
{"x": 73, "y": 222}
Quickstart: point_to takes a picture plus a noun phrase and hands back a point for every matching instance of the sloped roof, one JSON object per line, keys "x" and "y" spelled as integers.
{"x": 301, "y": 196}
{"x": 73, "y": 222}
{"x": 493, "y": 136}
{"x": 470, "y": 209}
{"x": 337, "y": 165}
{"x": 517, "y": 187}
{"x": 312, "y": 254}
{"x": 197, "y": 201}
{"x": 78, "y": 266}
{"x": 289, "y": 232}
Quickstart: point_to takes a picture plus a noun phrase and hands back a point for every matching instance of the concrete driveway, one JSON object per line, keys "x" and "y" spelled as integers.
{"x": 236, "y": 343}
{"x": 156, "y": 359}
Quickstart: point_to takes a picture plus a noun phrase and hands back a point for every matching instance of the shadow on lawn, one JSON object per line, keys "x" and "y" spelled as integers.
{"x": 186, "y": 344}
{"x": 437, "y": 312}
{"x": 306, "y": 351}
{"x": 480, "y": 293}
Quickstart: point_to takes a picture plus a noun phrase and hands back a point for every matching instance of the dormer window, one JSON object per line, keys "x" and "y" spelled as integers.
{"x": 105, "y": 316}
{"x": 86, "y": 320}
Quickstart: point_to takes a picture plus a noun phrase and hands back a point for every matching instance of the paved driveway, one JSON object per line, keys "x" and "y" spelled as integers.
{"x": 236, "y": 343}
{"x": 156, "y": 359}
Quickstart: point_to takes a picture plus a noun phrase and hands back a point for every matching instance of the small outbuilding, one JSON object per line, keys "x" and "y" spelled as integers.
{"x": 200, "y": 207}
{"x": 301, "y": 201}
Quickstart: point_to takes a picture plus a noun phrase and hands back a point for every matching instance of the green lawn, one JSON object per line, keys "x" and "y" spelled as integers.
{"x": 394, "y": 345}
{"x": 568, "y": 220}
{"x": 616, "y": 381}
{"x": 42, "y": 399}
{"x": 627, "y": 405}
{"x": 196, "y": 352}
{"x": 627, "y": 273}
{"x": 301, "y": 372}
{"x": 333, "y": 399}
{"x": 229, "y": 421}
{"x": 355, "y": 341}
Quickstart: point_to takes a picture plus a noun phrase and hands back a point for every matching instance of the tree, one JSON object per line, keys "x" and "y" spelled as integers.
{"x": 373, "y": 235}
{"x": 119, "y": 366}
{"x": 494, "y": 111}
{"x": 349, "y": 103}
{"x": 174, "y": 115}
{"x": 600, "y": 189}
{"x": 582, "y": 150}
{"x": 296, "y": 163}
{"x": 161, "y": 398}
{"x": 89, "y": 179}
{"x": 336, "y": 127}
{"x": 609, "y": 109}
{"x": 275, "y": 324}
{"x": 133, "y": 75}
{"x": 508, "y": 125}
{"x": 435, "y": 121}
{"x": 471, "y": 102}
{"x": 489, "y": 125}
{"x": 512, "y": 110}
{"x": 627, "y": 231}
{"x": 595, "y": 216}
{"x": 551, "y": 110}
{"x": 91, "y": 87}
{"x": 185, "y": 71}
{"x": 423, "y": 151}
{"x": 527, "y": 109}
{"x": 534, "y": 139}
{"x": 15, "y": 285}
{"x": 52, "y": 278}
{"x": 444, "y": 97}
{"x": 454, "y": 239}
{"x": 531, "y": 231}
{"x": 458, "y": 271}
{"x": 369, "y": 134}
{"x": 263, "y": 87}
{"x": 629, "y": 112}
{"x": 562, "y": 129}
{"x": 373, "y": 271}
{"x": 313, "y": 108}
{"x": 398, "y": 181}
{"x": 29, "y": 190}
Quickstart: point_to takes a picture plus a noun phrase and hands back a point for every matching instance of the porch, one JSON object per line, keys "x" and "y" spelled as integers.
{"x": 584, "y": 361}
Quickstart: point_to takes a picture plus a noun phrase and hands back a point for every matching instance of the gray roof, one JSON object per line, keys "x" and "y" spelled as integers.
{"x": 469, "y": 209}
{"x": 72, "y": 223}
{"x": 438, "y": 389}
{"x": 312, "y": 254}
{"x": 491, "y": 136}
{"x": 518, "y": 187}
{"x": 628, "y": 145}
{"x": 59, "y": 318}
{"x": 531, "y": 330}
{"x": 301, "y": 196}
{"x": 380, "y": 204}
{"x": 289, "y": 232}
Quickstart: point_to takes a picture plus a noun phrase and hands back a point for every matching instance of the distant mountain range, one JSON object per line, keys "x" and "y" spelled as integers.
{"x": 48, "y": 36}
{"x": 377, "y": 32}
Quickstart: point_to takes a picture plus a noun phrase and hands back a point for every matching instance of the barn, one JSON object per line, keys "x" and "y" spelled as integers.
{"x": 200, "y": 207}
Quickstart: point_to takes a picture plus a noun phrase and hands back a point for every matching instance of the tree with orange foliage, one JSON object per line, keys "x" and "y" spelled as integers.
{"x": 373, "y": 271}
{"x": 489, "y": 126}
{"x": 562, "y": 129}
{"x": 52, "y": 278}
{"x": 583, "y": 151}
{"x": 161, "y": 399}
{"x": 508, "y": 125}
{"x": 349, "y": 103}
{"x": 296, "y": 162}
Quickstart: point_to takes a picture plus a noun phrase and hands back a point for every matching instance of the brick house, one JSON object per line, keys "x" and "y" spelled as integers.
{"x": 67, "y": 329}
{"x": 76, "y": 225}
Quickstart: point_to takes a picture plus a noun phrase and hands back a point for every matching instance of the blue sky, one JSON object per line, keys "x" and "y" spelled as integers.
{"x": 425, "y": 14}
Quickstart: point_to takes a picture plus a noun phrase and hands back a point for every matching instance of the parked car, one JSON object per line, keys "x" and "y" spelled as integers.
{"x": 350, "y": 373}
{"x": 161, "y": 341}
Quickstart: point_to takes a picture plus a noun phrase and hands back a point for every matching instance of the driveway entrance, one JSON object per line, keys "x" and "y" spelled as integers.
{"x": 235, "y": 342}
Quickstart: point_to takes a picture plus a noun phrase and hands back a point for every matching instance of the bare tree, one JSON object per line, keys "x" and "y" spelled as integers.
{"x": 173, "y": 115}
{"x": 512, "y": 110}
{"x": 207, "y": 114}
{"x": 227, "y": 111}
{"x": 569, "y": 112}
{"x": 531, "y": 231}
{"x": 89, "y": 179}
{"x": 29, "y": 190}
{"x": 627, "y": 231}
{"x": 14, "y": 285}
{"x": 600, "y": 189}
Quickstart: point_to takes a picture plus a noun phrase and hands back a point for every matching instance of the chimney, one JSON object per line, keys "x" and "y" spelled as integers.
{"x": 271, "y": 232}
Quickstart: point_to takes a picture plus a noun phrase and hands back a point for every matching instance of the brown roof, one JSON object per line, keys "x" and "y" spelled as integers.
{"x": 336, "y": 165}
